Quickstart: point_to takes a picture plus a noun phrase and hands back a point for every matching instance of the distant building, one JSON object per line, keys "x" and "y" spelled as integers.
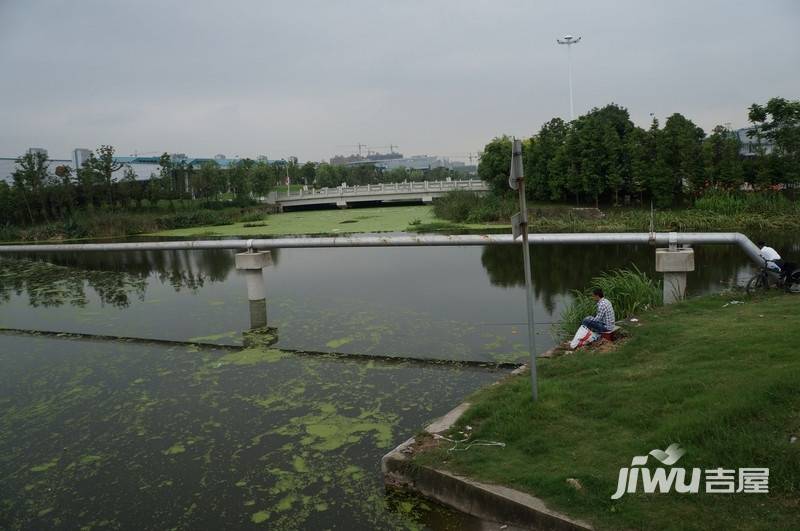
{"x": 9, "y": 164}
{"x": 752, "y": 146}
{"x": 143, "y": 166}
{"x": 415, "y": 162}
{"x": 80, "y": 156}
{"x": 341, "y": 160}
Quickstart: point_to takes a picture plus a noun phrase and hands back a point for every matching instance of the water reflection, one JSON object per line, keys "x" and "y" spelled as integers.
{"x": 48, "y": 285}
{"x": 442, "y": 302}
{"x": 558, "y": 269}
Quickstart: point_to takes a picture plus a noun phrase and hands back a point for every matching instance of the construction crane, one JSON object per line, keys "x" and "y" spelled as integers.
{"x": 390, "y": 146}
{"x": 359, "y": 146}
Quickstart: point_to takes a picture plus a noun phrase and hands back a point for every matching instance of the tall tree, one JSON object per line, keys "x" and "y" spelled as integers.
{"x": 778, "y": 122}
{"x": 326, "y": 176}
{"x": 103, "y": 165}
{"x": 680, "y": 145}
{"x": 542, "y": 149}
{"x": 495, "y": 164}
{"x": 30, "y": 178}
{"x": 239, "y": 180}
{"x": 723, "y": 165}
{"x": 8, "y": 209}
{"x": 263, "y": 178}
{"x": 308, "y": 172}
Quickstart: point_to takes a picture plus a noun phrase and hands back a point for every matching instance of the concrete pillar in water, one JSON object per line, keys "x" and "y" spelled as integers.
{"x": 253, "y": 264}
{"x": 258, "y": 314}
{"x": 674, "y": 263}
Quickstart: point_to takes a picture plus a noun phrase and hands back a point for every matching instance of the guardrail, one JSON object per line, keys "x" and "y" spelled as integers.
{"x": 385, "y": 188}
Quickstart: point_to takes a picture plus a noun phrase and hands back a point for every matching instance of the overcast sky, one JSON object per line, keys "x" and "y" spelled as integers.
{"x": 312, "y": 78}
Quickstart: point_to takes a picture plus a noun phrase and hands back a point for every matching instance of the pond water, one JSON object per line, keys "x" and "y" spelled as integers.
{"x": 98, "y": 432}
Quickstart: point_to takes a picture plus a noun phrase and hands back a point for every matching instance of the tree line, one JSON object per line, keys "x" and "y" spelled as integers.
{"x": 603, "y": 157}
{"x": 41, "y": 194}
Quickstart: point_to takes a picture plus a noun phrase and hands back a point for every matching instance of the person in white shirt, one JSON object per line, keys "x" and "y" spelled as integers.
{"x": 772, "y": 257}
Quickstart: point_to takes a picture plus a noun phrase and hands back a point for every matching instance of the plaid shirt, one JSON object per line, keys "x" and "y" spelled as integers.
{"x": 605, "y": 313}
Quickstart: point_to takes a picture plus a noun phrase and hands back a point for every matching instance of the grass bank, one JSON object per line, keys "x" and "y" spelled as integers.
{"x": 566, "y": 219}
{"x": 339, "y": 221}
{"x": 121, "y": 223}
{"x": 721, "y": 381}
{"x": 719, "y": 211}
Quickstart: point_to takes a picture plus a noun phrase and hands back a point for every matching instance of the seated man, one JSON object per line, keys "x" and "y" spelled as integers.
{"x": 605, "y": 318}
{"x": 774, "y": 262}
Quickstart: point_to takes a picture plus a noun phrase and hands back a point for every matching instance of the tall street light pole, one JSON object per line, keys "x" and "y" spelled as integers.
{"x": 569, "y": 40}
{"x": 519, "y": 227}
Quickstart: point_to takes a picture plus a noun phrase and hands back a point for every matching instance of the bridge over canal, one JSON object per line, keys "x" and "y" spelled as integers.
{"x": 342, "y": 196}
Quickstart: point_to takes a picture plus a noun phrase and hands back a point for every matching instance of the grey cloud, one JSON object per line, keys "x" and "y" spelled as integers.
{"x": 251, "y": 77}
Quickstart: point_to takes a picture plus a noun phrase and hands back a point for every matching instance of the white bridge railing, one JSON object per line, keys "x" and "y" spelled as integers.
{"x": 385, "y": 188}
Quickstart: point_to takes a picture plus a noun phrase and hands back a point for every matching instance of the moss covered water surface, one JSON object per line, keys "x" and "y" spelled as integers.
{"x": 332, "y": 222}
{"x": 125, "y": 434}
{"x": 101, "y": 434}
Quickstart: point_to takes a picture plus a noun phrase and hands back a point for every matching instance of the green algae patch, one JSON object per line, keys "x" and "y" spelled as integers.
{"x": 89, "y": 459}
{"x": 328, "y": 431}
{"x": 380, "y": 219}
{"x": 259, "y": 517}
{"x": 175, "y": 449}
{"x": 327, "y": 408}
{"x": 225, "y": 425}
{"x": 286, "y": 481}
{"x": 336, "y": 343}
{"x": 299, "y": 464}
{"x": 286, "y": 503}
{"x": 252, "y": 356}
{"x": 44, "y": 467}
{"x": 352, "y": 470}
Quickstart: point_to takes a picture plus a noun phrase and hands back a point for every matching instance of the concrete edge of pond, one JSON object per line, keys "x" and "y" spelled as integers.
{"x": 494, "y": 503}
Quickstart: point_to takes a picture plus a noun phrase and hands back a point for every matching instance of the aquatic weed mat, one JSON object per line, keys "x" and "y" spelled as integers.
{"x": 150, "y": 436}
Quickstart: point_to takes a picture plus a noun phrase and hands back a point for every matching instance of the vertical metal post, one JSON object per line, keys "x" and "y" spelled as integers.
{"x": 571, "y": 105}
{"x": 569, "y": 40}
{"x": 517, "y": 182}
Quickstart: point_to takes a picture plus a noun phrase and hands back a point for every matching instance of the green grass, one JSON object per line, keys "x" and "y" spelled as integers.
{"x": 339, "y": 221}
{"x": 724, "y": 383}
{"x": 717, "y": 211}
{"x": 727, "y": 202}
{"x": 563, "y": 219}
{"x": 107, "y": 223}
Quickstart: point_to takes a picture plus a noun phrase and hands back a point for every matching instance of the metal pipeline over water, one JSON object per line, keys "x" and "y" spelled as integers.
{"x": 660, "y": 239}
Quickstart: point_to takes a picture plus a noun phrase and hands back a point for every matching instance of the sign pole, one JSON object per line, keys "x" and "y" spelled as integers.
{"x": 519, "y": 224}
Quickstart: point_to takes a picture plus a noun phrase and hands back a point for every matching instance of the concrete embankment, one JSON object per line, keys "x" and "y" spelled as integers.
{"x": 493, "y": 503}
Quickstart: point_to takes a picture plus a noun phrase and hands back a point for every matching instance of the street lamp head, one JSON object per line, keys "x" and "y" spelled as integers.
{"x": 569, "y": 39}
